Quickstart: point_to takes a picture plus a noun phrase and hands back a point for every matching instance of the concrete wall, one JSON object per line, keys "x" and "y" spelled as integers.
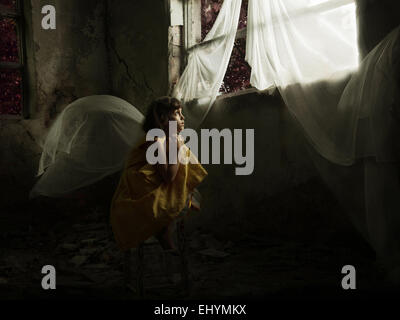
{"x": 71, "y": 61}
{"x": 281, "y": 162}
{"x": 63, "y": 64}
{"x": 376, "y": 18}
{"x": 138, "y": 49}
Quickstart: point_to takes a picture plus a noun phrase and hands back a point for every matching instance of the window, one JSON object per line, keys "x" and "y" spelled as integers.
{"x": 338, "y": 15}
{"x": 237, "y": 76}
{"x": 12, "y": 55}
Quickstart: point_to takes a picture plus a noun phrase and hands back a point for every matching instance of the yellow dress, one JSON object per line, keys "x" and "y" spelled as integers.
{"x": 143, "y": 203}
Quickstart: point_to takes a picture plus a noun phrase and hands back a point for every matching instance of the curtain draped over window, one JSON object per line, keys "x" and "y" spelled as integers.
{"x": 372, "y": 99}
{"x": 307, "y": 49}
{"x": 207, "y": 64}
{"x": 291, "y": 45}
{"x": 299, "y": 41}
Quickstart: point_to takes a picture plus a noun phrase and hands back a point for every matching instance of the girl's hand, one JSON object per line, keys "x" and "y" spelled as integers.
{"x": 178, "y": 139}
{"x": 181, "y": 141}
{"x": 168, "y": 170}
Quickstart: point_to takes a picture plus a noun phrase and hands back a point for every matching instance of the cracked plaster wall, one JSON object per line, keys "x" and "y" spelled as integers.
{"x": 64, "y": 64}
{"x": 138, "y": 48}
{"x": 71, "y": 60}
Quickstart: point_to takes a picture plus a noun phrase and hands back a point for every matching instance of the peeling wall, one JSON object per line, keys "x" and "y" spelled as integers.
{"x": 70, "y": 61}
{"x": 64, "y": 64}
{"x": 138, "y": 48}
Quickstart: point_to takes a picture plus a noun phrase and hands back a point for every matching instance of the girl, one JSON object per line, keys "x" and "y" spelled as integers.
{"x": 149, "y": 197}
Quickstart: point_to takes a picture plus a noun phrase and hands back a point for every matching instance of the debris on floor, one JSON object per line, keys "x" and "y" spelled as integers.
{"x": 90, "y": 266}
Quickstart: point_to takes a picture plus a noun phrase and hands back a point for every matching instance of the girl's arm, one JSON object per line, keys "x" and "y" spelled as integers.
{"x": 168, "y": 171}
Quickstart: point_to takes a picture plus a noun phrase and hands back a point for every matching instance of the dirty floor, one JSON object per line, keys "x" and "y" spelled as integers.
{"x": 258, "y": 265}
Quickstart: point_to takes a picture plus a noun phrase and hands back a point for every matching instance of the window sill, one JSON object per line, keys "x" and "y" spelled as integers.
{"x": 269, "y": 92}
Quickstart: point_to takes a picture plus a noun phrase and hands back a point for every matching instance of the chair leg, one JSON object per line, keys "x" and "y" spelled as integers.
{"x": 128, "y": 271}
{"x": 183, "y": 255}
{"x": 127, "y": 267}
{"x": 140, "y": 270}
{"x": 165, "y": 264}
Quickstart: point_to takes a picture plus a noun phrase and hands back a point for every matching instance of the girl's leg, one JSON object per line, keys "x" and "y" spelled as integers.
{"x": 165, "y": 238}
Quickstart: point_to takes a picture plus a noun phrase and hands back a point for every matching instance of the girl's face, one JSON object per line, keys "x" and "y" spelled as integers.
{"x": 177, "y": 116}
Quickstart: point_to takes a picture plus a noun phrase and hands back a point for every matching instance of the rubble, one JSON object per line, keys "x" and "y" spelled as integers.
{"x": 98, "y": 266}
{"x": 87, "y": 258}
{"x": 78, "y": 260}
{"x": 67, "y": 247}
{"x": 214, "y": 253}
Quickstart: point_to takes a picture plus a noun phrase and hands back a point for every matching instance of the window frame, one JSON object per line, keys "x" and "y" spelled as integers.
{"x": 18, "y": 16}
{"x": 192, "y": 38}
{"x": 192, "y": 34}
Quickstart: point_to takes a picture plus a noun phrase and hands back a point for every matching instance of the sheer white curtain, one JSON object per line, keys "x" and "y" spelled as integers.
{"x": 374, "y": 92}
{"x": 89, "y": 140}
{"x": 300, "y": 41}
{"x": 348, "y": 110}
{"x": 207, "y": 63}
{"x": 305, "y": 48}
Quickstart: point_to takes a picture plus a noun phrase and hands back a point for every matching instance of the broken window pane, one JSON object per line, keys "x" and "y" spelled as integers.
{"x": 11, "y": 92}
{"x": 237, "y": 76}
{"x": 8, "y": 40}
{"x": 9, "y": 4}
{"x": 209, "y": 13}
{"x": 243, "y": 14}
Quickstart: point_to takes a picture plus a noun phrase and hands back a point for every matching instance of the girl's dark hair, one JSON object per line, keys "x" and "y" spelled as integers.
{"x": 160, "y": 108}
